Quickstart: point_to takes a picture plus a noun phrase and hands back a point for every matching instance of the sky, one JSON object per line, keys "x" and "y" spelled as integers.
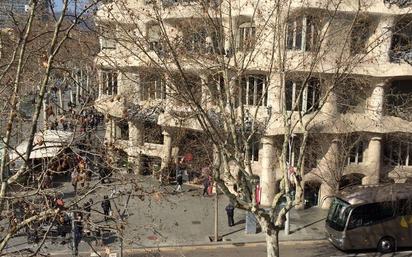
{"x": 58, "y": 4}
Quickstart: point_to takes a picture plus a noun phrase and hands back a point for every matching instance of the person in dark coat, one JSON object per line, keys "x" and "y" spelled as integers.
{"x": 230, "y": 211}
{"x": 206, "y": 184}
{"x": 179, "y": 178}
{"x": 106, "y": 206}
{"x": 87, "y": 207}
{"x": 78, "y": 233}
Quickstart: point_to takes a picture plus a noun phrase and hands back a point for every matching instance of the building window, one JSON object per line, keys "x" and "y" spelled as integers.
{"x": 305, "y": 98}
{"x": 122, "y": 130}
{"x": 359, "y": 37}
{"x": 109, "y": 82}
{"x": 254, "y": 150}
{"x": 216, "y": 86}
{"x": 401, "y": 42}
{"x": 153, "y": 133}
{"x": 398, "y": 99}
{"x": 247, "y": 36}
{"x": 398, "y": 153}
{"x": 253, "y": 90}
{"x": 154, "y": 38}
{"x": 302, "y": 33}
{"x": 107, "y": 38}
{"x": 196, "y": 41}
{"x": 203, "y": 40}
{"x": 153, "y": 88}
{"x": 356, "y": 153}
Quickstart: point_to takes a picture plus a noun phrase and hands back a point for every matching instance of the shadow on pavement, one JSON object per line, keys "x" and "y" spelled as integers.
{"x": 307, "y": 225}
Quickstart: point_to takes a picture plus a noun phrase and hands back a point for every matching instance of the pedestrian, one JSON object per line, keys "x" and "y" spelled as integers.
{"x": 63, "y": 225}
{"x": 59, "y": 203}
{"x": 106, "y": 206}
{"x": 102, "y": 174}
{"x": 206, "y": 184}
{"x": 179, "y": 178}
{"x": 210, "y": 188}
{"x": 87, "y": 207}
{"x": 47, "y": 180}
{"x": 74, "y": 179}
{"x": 78, "y": 233}
{"x": 230, "y": 211}
{"x": 98, "y": 234}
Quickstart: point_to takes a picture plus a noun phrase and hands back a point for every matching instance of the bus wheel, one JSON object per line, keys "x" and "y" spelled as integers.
{"x": 386, "y": 245}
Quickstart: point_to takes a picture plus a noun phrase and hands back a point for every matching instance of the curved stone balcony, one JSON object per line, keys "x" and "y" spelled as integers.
{"x": 111, "y": 105}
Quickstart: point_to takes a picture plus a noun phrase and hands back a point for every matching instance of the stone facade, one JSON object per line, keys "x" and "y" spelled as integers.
{"x": 369, "y": 143}
{"x": 10, "y": 8}
{"x": 15, "y": 9}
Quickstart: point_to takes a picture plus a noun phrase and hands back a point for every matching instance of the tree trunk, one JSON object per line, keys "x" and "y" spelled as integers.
{"x": 272, "y": 243}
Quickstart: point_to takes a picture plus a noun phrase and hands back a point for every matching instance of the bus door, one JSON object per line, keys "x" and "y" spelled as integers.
{"x": 404, "y": 223}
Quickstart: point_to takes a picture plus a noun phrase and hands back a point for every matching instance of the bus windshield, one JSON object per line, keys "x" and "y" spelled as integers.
{"x": 338, "y": 214}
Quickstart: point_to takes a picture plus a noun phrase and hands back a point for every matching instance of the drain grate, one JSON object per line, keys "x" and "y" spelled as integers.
{"x": 316, "y": 229}
{"x": 196, "y": 222}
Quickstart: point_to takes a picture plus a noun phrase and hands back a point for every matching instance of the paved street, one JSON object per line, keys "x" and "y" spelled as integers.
{"x": 176, "y": 219}
{"x": 318, "y": 248}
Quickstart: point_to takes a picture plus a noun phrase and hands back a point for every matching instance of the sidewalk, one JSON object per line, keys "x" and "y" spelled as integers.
{"x": 184, "y": 219}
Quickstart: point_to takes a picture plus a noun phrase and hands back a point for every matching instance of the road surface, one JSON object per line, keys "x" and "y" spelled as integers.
{"x": 288, "y": 249}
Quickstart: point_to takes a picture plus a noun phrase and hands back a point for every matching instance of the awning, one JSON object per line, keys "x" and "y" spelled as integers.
{"x": 46, "y": 144}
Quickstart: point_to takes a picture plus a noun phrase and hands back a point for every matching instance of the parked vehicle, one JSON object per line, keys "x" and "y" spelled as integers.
{"x": 371, "y": 217}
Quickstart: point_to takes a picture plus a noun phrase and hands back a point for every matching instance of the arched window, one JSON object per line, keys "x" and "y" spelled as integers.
{"x": 247, "y": 36}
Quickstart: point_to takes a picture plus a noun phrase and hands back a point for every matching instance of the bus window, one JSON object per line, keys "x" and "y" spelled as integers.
{"x": 369, "y": 214}
{"x": 405, "y": 207}
{"x": 338, "y": 214}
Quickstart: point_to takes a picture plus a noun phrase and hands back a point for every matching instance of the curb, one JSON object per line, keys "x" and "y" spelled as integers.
{"x": 225, "y": 245}
{"x": 210, "y": 245}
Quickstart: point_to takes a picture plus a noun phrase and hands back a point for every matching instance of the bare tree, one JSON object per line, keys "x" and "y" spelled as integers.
{"x": 43, "y": 55}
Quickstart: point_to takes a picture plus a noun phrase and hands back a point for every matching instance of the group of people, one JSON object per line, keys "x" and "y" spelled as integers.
{"x": 67, "y": 120}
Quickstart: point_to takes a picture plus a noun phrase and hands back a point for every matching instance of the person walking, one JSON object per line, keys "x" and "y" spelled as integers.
{"x": 230, "y": 211}
{"x": 74, "y": 179}
{"x": 179, "y": 179}
{"x": 206, "y": 184}
{"x": 78, "y": 233}
{"x": 87, "y": 207}
{"x": 106, "y": 206}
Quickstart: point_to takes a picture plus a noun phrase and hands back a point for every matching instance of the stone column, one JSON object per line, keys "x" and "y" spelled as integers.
{"x": 275, "y": 93}
{"x": 328, "y": 168}
{"x": 100, "y": 84}
{"x": 205, "y": 91}
{"x": 376, "y": 102}
{"x": 381, "y": 45}
{"x": 267, "y": 176}
{"x": 331, "y": 106}
{"x": 167, "y": 149}
{"x": 108, "y": 132}
{"x": 374, "y": 161}
{"x": 136, "y": 141}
